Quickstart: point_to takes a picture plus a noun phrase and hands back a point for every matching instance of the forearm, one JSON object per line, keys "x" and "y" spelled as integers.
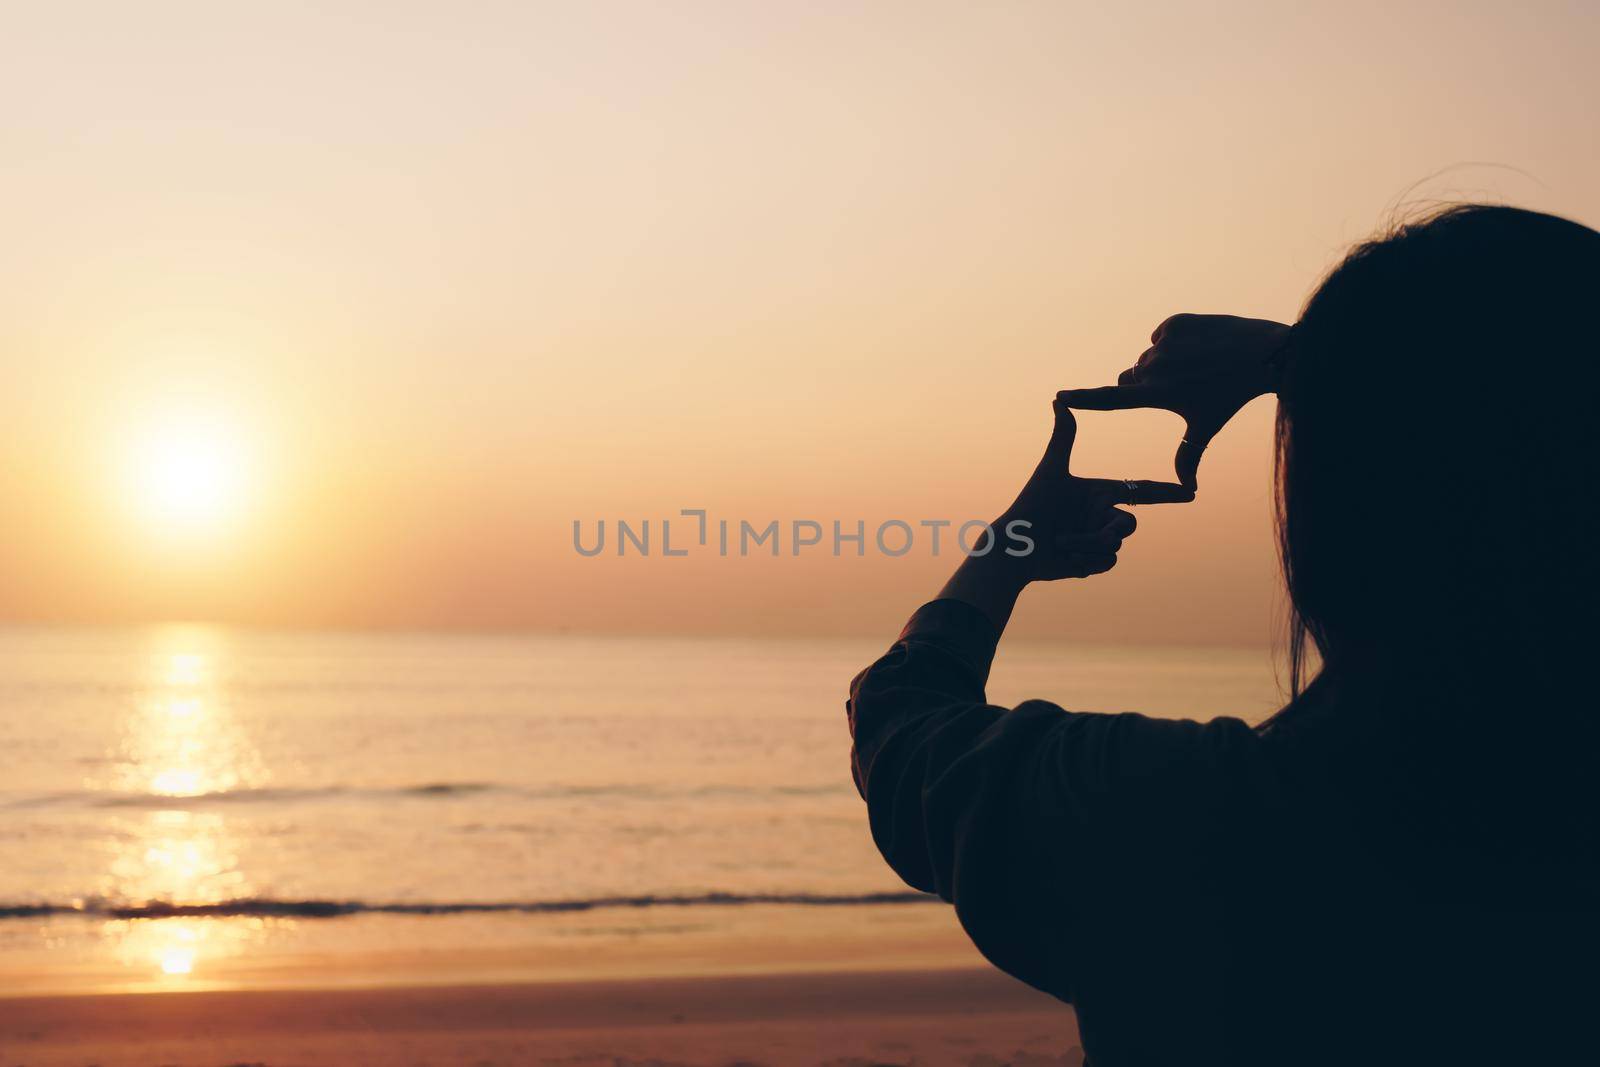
{"x": 990, "y": 584}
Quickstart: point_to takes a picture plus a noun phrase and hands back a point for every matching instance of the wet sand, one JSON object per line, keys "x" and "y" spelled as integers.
{"x": 970, "y": 1017}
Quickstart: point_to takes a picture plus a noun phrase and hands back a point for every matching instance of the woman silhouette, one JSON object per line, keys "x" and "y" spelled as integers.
{"x": 1403, "y": 864}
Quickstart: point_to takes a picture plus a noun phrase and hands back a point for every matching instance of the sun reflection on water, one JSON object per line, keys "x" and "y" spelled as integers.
{"x": 185, "y": 668}
{"x": 180, "y": 742}
{"x": 177, "y": 957}
{"x": 175, "y": 951}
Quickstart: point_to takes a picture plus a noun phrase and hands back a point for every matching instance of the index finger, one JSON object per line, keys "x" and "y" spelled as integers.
{"x": 1121, "y": 397}
{"x": 1139, "y": 491}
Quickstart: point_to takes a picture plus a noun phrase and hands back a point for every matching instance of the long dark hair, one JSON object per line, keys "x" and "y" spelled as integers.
{"x": 1437, "y": 444}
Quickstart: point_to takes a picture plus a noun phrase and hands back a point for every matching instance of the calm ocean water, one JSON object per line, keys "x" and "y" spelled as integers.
{"x": 159, "y": 786}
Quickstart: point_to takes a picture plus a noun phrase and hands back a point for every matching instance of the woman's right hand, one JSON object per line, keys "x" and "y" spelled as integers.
{"x": 1204, "y": 368}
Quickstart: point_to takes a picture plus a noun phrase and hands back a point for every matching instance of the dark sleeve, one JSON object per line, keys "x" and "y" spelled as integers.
{"x": 1046, "y": 829}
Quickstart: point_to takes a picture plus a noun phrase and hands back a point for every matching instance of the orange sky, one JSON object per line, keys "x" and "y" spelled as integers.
{"x": 449, "y": 278}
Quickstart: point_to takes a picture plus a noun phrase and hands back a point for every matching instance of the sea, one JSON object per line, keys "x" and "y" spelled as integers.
{"x": 190, "y": 806}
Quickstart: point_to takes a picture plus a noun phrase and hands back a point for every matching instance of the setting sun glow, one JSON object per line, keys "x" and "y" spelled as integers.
{"x": 188, "y": 475}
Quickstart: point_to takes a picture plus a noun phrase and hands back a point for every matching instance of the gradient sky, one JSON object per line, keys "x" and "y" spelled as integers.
{"x": 442, "y": 278}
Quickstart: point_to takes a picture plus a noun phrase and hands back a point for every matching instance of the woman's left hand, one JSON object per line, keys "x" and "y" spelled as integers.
{"x": 1073, "y": 527}
{"x": 1075, "y": 523}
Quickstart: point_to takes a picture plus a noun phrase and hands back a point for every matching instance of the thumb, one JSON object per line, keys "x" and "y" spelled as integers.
{"x": 1190, "y": 450}
{"x": 1058, "y": 453}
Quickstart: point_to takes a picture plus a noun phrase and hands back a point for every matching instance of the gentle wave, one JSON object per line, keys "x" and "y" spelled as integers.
{"x": 268, "y": 794}
{"x": 262, "y": 907}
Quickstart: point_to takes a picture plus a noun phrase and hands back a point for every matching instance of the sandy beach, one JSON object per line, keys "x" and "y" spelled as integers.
{"x": 970, "y": 1017}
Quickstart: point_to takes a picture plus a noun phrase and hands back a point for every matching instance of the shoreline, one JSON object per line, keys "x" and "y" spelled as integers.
{"x": 960, "y": 1015}
{"x": 76, "y": 955}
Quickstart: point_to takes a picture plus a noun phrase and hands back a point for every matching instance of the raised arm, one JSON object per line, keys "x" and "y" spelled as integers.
{"x": 930, "y": 753}
{"x": 1035, "y": 822}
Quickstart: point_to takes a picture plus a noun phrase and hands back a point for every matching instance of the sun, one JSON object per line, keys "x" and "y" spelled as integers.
{"x": 188, "y": 474}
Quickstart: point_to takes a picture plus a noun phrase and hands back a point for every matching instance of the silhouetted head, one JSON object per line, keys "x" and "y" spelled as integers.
{"x": 1437, "y": 452}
